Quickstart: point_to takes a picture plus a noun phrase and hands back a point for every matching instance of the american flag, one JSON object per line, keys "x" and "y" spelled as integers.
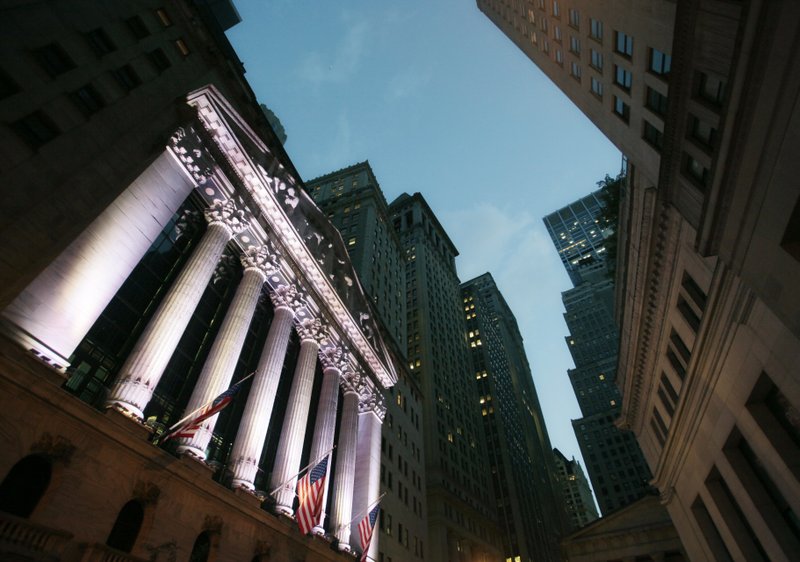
{"x": 191, "y": 424}
{"x": 310, "y": 489}
{"x": 365, "y": 529}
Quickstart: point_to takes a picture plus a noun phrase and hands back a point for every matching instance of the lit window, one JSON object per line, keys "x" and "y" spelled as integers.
{"x": 351, "y": 241}
{"x": 182, "y": 48}
{"x": 163, "y": 17}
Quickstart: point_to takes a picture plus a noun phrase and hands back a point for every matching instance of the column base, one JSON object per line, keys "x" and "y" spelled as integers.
{"x": 238, "y": 483}
{"x": 283, "y": 510}
{"x": 193, "y": 452}
{"x": 126, "y": 409}
{"x": 318, "y": 531}
{"x": 343, "y": 547}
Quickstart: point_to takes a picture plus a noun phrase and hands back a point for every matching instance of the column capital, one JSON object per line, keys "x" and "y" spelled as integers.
{"x": 370, "y": 400}
{"x": 286, "y": 296}
{"x": 264, "y": 258}
{"x": 334, "y": 357}
{"x": 226, "y": 214}
{"x": 352, "y": 381}
{"x": 313, "y": 329}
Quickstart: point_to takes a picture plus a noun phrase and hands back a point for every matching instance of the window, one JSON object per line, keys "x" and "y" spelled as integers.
{"x": 100, "y": 42}
{"x": 622, "y": 78}
{"x": 575, "y": 45}
{"x": 575, "y": 70}
{"x": 710, "y": 89}
{"x": 688, "y": 314}
{"x": 53, "y": 59}
{"x": 556, "y": 9}
{"x": 163, "y": 17}
{"x": 159, "y": 60}
{"x": 126, "y": 77}
{"x": 574, "y": 18}
{"x": 597, "y": 60}
{"x": 791, "y": 236}
{"x": 597, "y": 87}
{"x": 693, "y": 290}
{"x": 695, "y": 171}
{"x": 623, "y": 44}
{"x": 545, "y": 46}
{"x": 36, "y": 129}
{"x": 701, "y": 132}
{"x": 656, "y": 102}
{"x": 660, "y": 62}
{"x": 24, "y": 485}
{"x": 557, "y": 33}
{"x": 182, "y": 48}
{"x": 596, "y": 29}
{"x": 351, "y": 241}
{"x": 559, "y": 56}
{"x": 126, "y": 528}
{"x": 622, "y": 109}
{"x": 652, "y": 135}
{"x": 137, "y": 27}
{"x": 87, "y": 100}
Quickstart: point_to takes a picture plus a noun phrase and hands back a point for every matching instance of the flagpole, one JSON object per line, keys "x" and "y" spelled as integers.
{"x": 361, "y": 513}
{"x": 193, "y": 412}
{"x": 325, "y": 454}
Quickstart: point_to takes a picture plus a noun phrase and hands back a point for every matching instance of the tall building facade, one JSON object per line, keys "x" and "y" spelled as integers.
{"x": 461, "y": 516}
{"x": 527, "y": 495}
{"x": 575, "y": 491}
{"x": 617, "y": 469}
{"x": 158, "y": 247}
{"x": 353, "y": 201}
{"x": 697, "y": 95}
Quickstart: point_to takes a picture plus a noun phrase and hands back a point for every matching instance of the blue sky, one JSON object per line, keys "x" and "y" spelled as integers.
{"x": 441, "y": 102}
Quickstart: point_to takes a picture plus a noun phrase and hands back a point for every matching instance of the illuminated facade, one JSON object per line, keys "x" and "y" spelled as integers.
{"x": 173, "y": 251}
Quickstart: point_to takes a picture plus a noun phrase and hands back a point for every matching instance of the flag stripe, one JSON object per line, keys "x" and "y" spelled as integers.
{"x": 310, "y": 490}
{"x": 365, "y": 530}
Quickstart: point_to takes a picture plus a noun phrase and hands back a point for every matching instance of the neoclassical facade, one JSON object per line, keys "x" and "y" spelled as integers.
{"x": 291, "y": 319}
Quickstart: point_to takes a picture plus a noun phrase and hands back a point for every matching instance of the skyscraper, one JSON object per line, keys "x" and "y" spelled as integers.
{"x": 696, "y": 95}
{"x": 576, "y": 491}
{"x": 530, "y": 508}
{"x": 461, "y": 515}
{"x": 353, "y": 201}
{"x": 615, "y": 464}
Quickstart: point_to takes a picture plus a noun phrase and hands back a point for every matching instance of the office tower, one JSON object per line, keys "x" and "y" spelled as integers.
{"x": 579, "y": 232}
{"x": 576, "y": 492}
{"x": 354, "y": 203}
{"x": 461, "y": 515}
{"x": 158, "y": 247}
{"x": 697, "y": 95}
{"x": 615, "y": 464}
{"x": 527, "y": 495}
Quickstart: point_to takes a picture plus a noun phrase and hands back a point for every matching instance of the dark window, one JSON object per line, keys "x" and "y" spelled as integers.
{"x": 100, "y": 42}
{"x": 24, "y": 486}
{"x": 695, "y": 171}
{"x": 54, "y": 59}
{"x": 652, "y": 135}
{"x": 710, "y": 531}
{"x": 127, "y": 526}
{"x": 137, "y": 27}
{"x": 656, "y": 101}
{"x": 702, "y": 132}
{"x": 622, "y": 78}
{"x": 159, "y": 60}
{"x": 8, "y": 87}
{"x": 669, "y": 389}
{"x": 87, "y": 100}
{"x": 623, "y": 44}
{"x": 202, "y": 548}
{"x": 710, "y": 89}
{"x": 791, "y": 236}
{"x": 694, "y": 291}
{"x": 597, "y": 60}
{"x": 622, "y": 109}
{"x": 680, "y": 347}
{"x": 126, "y": 77}
{"x": 688, "y": 314}
{"x": 661, "y": 429}
{"x": 676, "y": 363}
{"x": 596, "y": 31}
{"x": 660, "y": 63}
{"x": 36, "y": 129}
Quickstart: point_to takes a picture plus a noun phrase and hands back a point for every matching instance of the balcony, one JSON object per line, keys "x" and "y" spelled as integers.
{"x": 22, "y": 540}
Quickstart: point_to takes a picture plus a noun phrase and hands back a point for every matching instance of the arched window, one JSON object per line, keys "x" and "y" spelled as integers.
{"x": 201, "y": 548}
{"x": 126, "y": 528}
{"x": 25, "y": 485}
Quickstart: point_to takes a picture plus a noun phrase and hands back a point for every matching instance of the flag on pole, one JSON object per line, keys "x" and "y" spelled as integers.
{"x": 191, "y": 424}
{"x": 310, "y": 489}
{"x": 365, "y": 529}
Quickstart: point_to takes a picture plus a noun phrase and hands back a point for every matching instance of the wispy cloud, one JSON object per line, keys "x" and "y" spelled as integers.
{"x": 341, "y": 62}
{"x": 408, "y": 82}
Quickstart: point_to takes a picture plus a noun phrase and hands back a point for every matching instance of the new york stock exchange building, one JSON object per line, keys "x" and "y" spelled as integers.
{"x": 181, "y": 262}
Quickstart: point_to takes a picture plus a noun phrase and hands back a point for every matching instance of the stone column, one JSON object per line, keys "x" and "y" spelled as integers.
{"x": 144, "y": 366}
{"x": 346, "y": 462}
{"x": 290, "y": 446}
{"x": 253, "y": 427}
{"x": 334, "y": 362}
{"x": 218, "y": 369}
{"x": 372, "y": 410}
